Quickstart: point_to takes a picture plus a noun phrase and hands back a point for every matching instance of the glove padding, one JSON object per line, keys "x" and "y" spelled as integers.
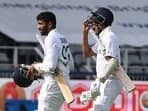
{"x": 95, "y": 88}
{"x": 92, "y": 93}
{"x": 85, "y": 97}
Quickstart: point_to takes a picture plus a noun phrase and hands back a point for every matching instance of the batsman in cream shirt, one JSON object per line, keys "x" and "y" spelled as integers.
{"x": 108, "y": 46}
{"x": 57, "y": 55}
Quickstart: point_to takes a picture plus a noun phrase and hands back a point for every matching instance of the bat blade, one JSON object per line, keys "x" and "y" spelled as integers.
{"x": 127, "y": 82}
{"x": 65, "y": 89}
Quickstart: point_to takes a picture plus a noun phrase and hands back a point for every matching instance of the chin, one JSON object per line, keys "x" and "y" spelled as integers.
{"x": 44, "y": 33}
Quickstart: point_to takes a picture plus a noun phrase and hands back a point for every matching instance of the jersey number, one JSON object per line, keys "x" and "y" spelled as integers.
{"x": 65, "y": 54}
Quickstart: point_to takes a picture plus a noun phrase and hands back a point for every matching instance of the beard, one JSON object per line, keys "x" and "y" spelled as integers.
{"x": 44, "y": 30}
{"x": 44, "y": 33}
{"x": 97, "y": 33}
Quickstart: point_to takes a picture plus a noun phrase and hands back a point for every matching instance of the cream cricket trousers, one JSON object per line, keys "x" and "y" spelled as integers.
{"x": 109, "y": 91}
{"x": 50, "y": 97}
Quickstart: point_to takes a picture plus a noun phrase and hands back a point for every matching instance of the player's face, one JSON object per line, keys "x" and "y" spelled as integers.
{"x": 96, "y": 28}
{"x": 43, "y": 27}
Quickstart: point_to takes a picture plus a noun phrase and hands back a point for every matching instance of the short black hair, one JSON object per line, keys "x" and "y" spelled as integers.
{"x": 46, "y": 17}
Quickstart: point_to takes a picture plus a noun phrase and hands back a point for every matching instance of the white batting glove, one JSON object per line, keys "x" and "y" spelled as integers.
{"x": 102, "y": 79}
{"x": 92, "y": 93}
{"x": 95, "y": 88}
{"x": 88, "y": 96}
{"x": 85, "y": 97}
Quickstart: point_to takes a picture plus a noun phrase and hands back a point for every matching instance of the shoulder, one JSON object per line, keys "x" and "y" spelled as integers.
{"x": 53, "y": 36}
{"x": 57, "y": 38}
{"x": 60, "y": 38}
{"x": 110, "y": 36}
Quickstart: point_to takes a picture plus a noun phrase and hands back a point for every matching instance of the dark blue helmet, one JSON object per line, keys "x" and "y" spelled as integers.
{"x": 20, "y": 78}
{"x": 101, "y": 16}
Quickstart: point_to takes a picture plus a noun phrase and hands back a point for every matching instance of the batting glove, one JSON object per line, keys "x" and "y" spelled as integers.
{"x": 95, "y": 88}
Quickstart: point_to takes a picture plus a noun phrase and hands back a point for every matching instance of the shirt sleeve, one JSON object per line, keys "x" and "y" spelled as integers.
{"x": 49, "y": 63}
{"x": 111, "y": 46}
{"x": 52, "y": 54}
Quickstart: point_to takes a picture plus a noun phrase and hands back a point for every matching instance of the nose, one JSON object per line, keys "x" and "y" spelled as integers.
{"x": 39, "y": 27}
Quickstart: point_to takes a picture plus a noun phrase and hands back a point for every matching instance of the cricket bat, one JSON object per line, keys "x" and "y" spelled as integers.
{"x": 120, "y": 73}
{"x": 126, "y": 81}
{"x": 64, "y": 87}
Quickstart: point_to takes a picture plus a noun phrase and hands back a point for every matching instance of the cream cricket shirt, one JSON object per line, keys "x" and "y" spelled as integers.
{"x": 56, "y": 54}
{"x": 109, "y": 46}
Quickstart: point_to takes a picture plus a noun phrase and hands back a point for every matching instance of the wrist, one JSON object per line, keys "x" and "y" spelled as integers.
{"x": 85, "y": 34}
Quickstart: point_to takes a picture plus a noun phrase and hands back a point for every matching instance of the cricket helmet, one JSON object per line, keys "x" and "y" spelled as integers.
{"x": 101, "y": 16}
{"x": 20, "y": 77}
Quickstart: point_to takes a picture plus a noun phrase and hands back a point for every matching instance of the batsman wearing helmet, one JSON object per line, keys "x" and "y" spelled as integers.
{"x": 106, "y": 87}
{"x": 57, "y": 55}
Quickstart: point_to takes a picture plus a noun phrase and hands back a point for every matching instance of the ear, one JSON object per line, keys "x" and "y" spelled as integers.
{"x": 49, "y": 24}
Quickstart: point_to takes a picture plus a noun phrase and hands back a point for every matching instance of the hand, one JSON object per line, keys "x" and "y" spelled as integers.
{"x": 95, "y": 88}
{"x": 102, "y": 79}
{"x": 85, "y": 97}
{"x": 86, "y": 27}
{"x": 32, "y": 72}
{"x": 56, "y": 72}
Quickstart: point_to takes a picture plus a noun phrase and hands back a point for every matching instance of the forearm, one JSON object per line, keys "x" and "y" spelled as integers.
{"x": 87, "y": 52}
{"x": 43, "y": 68}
